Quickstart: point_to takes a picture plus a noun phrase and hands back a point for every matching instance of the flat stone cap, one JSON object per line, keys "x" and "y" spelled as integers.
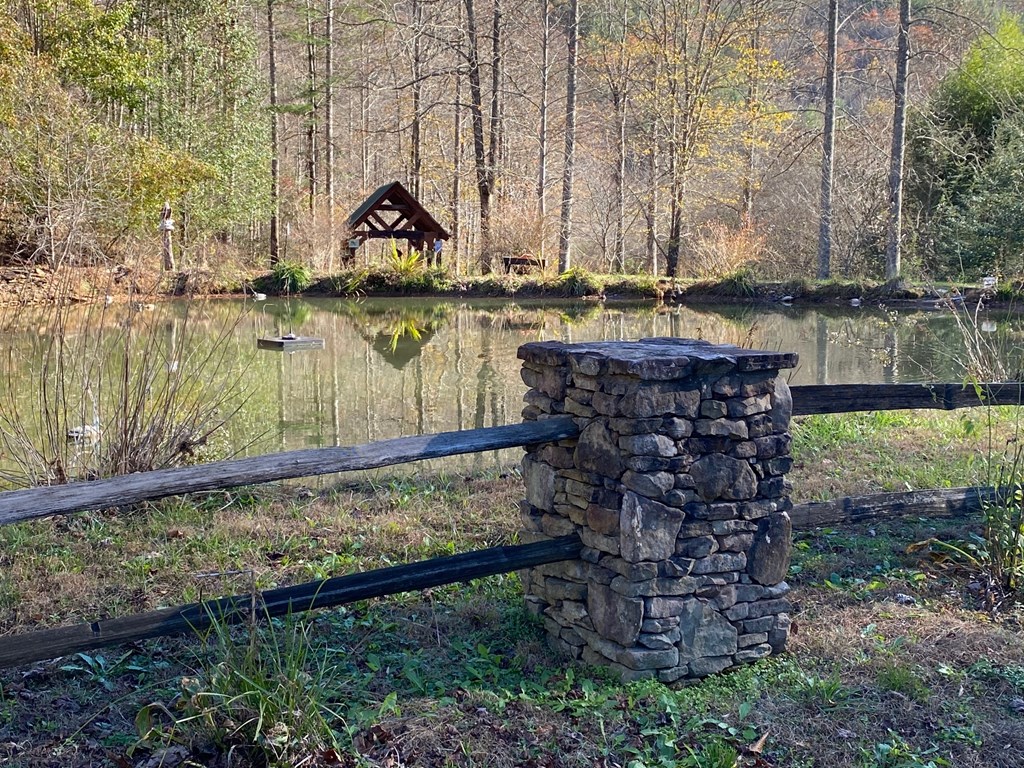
{"x": 661, "y": 359}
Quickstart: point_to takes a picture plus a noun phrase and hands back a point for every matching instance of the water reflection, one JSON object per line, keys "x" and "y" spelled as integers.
{"x": 398, "y": 367}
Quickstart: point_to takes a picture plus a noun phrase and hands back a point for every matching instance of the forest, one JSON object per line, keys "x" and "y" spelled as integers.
{"x": 687, "y": 138}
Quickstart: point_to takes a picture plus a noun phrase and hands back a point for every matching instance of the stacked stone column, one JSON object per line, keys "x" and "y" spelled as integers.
{"x": 676, "y": 486}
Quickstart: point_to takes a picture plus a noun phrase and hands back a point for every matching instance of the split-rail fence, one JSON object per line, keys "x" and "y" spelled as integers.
{"x": 34, "y": 503}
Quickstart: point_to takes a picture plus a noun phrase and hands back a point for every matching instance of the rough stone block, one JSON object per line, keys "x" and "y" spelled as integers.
{"x": 705, "y": 632}
{"x": 757, "y": 638}
{"x": 706, "y": 666}
{"x": 653, "y": 485}
{"x": 779, "y": 633}
{"x": 594, "y": 540}
{"x": 539, "y": 480}
{"x": 560, "y": 589}
{"x": 699, "y": 546}
{"x": 736, "y": 542}
{"x": 627, "y": 675}
{"x": 676, "y": 568}
{"x": 782, "y": 406}
{"x": 603, "y": 520}
{"x": 734, "y": 430}
{"x": 684, "y": 481}
{"x": 648, "y": 445}
{"x": 647, "y": 529}
{"x": 722, "y": 512}
{"x": 768, "y": 562}
{"x": 762, "y": 624}
{"x": 713, "y": 409}
{"x": 539, "y": 400}
{"x": 556, "y": 526}
{"x": 677, "y": 428}
{"x": 615, "y": 616}
{"x": 678, "y": 586}
{"x": 606, "y": 404}
{"x": 630, "y": 571}
{"x": 634, "y": 426}
{"x": 661, "y": 607}
{"x": 649, "y": 400}
{"x": 577, "y": 408}
{"x": 746, "y": 593}
{"x": 744, "y": 450}
{"x": 721, "y": 562}
{"x": 658, "y": 626}
{"x": 648, "y": 464}
{"x": 773, "y": 445}
{"x": 596, "y": 451}
{"x": 722, "y": 477}
{"x": 772, "y": 488}
{"x": 659, "y": 642}
{"x": 767, "y": 607}
{"x": 754, "y": 653}
{"x": 556, "y": 456}
{"x": 692, "y": 528}
{"x": 748, "y": 406}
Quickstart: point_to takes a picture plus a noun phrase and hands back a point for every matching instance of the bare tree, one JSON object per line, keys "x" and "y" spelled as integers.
{"x": 828, "y": 162}
{"x": 894, "y": 233}
{"x": 275, "y": 148}
{"x": 569, "y": 165}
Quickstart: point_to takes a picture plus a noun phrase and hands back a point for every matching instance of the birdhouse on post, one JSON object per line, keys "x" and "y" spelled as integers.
{"x": 166, "y": 227}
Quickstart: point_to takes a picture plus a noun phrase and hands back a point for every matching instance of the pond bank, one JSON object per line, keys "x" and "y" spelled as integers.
{"x": 38, "y": 285}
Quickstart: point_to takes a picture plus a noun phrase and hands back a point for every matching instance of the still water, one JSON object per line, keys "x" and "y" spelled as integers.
{"x": 402, "y": 367}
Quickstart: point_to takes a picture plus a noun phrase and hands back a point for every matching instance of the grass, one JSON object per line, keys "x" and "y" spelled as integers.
{"x": 894, "y": 662}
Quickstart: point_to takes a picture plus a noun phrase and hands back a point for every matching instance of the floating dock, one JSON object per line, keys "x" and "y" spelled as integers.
{"x": 290, "y": 343}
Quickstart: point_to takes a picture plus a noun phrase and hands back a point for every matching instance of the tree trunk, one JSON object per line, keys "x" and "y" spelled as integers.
{"x": 565, "y": 230}
{"x": 329, "y": 128}
{"x": 619, "y": 98}
{"x": 484, "y": 173}
{"x": 457, "y": 175}
{"x": 828, "y": 164}
{"x": 542, "y": 130}
{"x": 275, "y": 149}
{"x": 899, "y": 139}
{"x": 415, "y": 139}
{"x": 311, "y": 128}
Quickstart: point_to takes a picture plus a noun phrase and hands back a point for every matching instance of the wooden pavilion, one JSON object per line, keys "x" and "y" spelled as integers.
{"x": 392, "y": 212}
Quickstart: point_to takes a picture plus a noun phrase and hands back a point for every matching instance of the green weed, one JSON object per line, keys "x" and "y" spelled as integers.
{"x": 291, "y": 276}
{"x": 268, "y": 695}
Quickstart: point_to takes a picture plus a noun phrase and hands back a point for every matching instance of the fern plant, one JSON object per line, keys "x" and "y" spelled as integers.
{"x": 291, "y": 276}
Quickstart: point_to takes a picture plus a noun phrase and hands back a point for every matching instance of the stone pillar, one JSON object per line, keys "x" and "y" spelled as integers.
{"x": 676, "y": 486}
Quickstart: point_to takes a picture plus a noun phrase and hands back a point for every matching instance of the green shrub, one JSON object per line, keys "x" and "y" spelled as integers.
{"x": 291, "y": 276}
{"x": 579, "y": 282}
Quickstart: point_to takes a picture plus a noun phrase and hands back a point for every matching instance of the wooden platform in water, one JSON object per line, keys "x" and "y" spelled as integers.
{"x": 290, "y": 343}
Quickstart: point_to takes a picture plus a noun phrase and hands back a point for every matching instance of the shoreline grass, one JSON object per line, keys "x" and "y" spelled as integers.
{"x": 895, "y": 662}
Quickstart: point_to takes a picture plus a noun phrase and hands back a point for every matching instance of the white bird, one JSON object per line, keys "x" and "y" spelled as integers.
{"x": 855, "y": 302}
{"x": 86, "y": 433}
{"x": 786, "y": 299}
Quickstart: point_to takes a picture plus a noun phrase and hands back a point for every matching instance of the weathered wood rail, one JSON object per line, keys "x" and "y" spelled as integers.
{"x": 32, "y": 503}
{"x": 119, "y": 491}
{"x": 196, "y": 617}
{"x": 846, "y": 398}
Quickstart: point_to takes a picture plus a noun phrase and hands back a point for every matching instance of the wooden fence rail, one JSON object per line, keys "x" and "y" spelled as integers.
{"x": 847, "y": 398}
{"x": 32, "y": 503}
{"x": 196, "y": 617}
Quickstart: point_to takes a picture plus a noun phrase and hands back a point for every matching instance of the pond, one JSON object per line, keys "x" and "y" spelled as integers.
{"x": 401, "y": 367}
